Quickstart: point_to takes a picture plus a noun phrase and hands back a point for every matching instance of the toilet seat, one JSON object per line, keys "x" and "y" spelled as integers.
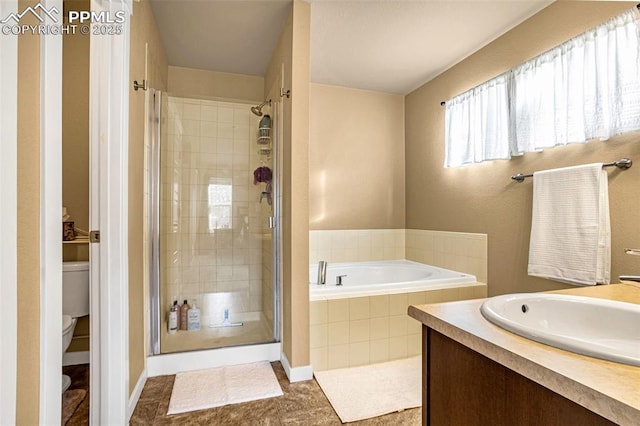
{"x": 67, "y": 323}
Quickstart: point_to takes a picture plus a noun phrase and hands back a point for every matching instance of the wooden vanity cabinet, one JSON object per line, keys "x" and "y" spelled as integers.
{"x": 463, "y": 387}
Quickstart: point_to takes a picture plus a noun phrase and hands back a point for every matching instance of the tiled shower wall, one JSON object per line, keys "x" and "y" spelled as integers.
{"x": 460, "y": 251}
{"x": 211, "y": 226}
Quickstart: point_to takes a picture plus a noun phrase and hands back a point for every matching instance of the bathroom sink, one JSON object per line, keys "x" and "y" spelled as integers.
{"x": 599, "y": 328}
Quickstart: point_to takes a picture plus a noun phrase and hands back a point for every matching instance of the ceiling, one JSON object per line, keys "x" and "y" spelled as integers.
{"x": 391, "y": 46}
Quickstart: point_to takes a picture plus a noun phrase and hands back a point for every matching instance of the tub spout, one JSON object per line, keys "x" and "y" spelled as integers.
{"x": 322, "y": 272}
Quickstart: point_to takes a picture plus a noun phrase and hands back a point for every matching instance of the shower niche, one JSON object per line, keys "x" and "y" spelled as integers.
{"x": 216, "y": 235}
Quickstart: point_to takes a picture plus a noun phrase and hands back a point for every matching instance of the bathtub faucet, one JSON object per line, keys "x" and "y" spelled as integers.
{"x": 339, "y": 279}
{"x": 322, "y": 272}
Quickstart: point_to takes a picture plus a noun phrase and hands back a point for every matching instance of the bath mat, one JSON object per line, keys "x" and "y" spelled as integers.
{"x": 359, "y": 393}
{"x": 71, "y": 400}
{"x": 215, "y": 387}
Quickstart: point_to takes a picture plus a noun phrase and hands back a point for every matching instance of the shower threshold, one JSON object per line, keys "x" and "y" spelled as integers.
{"x": 251, "y": 332}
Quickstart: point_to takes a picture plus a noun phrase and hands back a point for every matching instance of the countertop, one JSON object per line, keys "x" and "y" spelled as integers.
{"x": 610, "y": 389}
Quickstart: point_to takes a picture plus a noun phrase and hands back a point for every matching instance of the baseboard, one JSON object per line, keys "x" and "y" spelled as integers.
{"x": 160, "y": 365}
{"x": 135, "y": 395}
{"x": 76, "y": 358}
{"x": 296, "y": 374}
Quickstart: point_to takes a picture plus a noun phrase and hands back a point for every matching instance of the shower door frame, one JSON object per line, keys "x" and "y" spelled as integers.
{"x": 155, "y": 309}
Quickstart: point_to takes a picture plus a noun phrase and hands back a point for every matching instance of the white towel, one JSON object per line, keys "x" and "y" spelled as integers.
{"x": 570, "y": 229}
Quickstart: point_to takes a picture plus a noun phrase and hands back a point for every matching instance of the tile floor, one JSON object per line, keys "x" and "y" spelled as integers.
{"x": 79, "y": 375}
{"x": 303, "y": 403}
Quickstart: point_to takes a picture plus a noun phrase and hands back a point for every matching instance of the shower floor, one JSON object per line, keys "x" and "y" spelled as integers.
{"x": 251, "y": 332}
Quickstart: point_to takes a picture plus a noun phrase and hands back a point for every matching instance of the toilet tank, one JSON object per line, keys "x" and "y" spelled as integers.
{"x": 75, "y": 289}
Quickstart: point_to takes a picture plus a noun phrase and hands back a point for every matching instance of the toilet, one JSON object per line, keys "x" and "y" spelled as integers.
{"x": 75, "y": 303}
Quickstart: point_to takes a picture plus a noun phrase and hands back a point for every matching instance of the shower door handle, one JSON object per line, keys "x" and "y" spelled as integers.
{"x": 271, "y": 222}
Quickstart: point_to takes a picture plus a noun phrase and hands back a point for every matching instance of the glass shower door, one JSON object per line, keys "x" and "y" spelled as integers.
{"x": 216, "y": 240}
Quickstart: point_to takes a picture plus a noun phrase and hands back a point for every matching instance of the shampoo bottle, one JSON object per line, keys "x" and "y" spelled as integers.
{"x": 177, "y": 309}
{"x": 173, "y": 319}
{"x": 193, "y": 318}
{"x": 184, "y": 310}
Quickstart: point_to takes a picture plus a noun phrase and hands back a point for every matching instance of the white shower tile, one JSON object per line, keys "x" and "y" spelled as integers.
{"x": 206, "y": 257}
{"x": 241, "y": 116}
{"x": 241, "y": 272}
{"x": 225, "y": 114}
{"x": 240, "y": 161}
{"x": 240, "y": 194}
{"x": 209, "y": 112}
{"x": 208, "y": 129}
{"x": 364, "y": 240}
{"x": 241, "y": 132}
{"x": 377, "y": 240}
{"x": 224, "y": 272}
{"x": 241, "y": 147}
{"x": 241, "y": 257}
{"x": 224, "y": 146}
{"x": 225, "y": 130}
{"x": 313, "y": 240}
{"x": 190, "y": 274}
{"x": 191, "y": 111}
{"x": 190, "y": 144}
{"x": 224, "y": 161}
{"x": 190, "y": 127}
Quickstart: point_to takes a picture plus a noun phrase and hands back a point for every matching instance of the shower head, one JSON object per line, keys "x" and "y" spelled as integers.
{"x": 257, "y": 110}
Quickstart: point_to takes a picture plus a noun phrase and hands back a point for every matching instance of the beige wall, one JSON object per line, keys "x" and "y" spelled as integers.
{"x": 482, "y": 198}
{"x": 75, "y": 123}
{"x": 75, "y": 150}
{"x": 28, "y": 244}
{"x": 190, "y": 82}
{"x": 356, "y": 166}
{"x": 143, "y": 31}
{"x": 292, "y": 53}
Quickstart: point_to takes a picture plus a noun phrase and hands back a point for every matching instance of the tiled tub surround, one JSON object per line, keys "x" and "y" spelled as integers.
{"x": 359, "y": 245}
{"x": 458, "y": 251}
{"x": 211, "y": 222}
{"x": 367, "y": 330}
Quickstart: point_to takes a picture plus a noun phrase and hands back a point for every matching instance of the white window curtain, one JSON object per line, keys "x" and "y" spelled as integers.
{"x": 477, "y": 125}
{"x": 586, "y": 88}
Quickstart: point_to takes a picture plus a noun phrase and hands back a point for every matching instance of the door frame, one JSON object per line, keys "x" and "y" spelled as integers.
{"x": 50, "y": 214}
{"x": 108, "y": 213}
{"x": 8, "y": 217}
{"x": 109, "y": 115}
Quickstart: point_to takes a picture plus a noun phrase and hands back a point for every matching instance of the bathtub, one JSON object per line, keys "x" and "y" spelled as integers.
{"x": 363, "y": 279}
{"x": 365, "y": 320}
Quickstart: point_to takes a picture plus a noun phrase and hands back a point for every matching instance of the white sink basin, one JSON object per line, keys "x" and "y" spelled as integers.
{"x": 600, "y": 328}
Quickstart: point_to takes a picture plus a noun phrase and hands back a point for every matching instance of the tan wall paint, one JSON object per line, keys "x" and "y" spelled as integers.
{"x": 75, "y": 149}
{"x": 143, "y": 30}
{"x": 356, "y": 159}
{"x": 191, "y": 82}
{"x": 75, "y": 123}
{"x": 482, "y": 198}
{"x": 28, "y": 244}
{"x": 293, "y": 52}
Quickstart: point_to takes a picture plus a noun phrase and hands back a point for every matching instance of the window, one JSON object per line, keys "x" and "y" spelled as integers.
{"x": 587, "y": 88}
{"x": 219, "y": 198}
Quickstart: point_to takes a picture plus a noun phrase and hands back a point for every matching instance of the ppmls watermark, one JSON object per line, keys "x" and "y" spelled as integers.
{"x": 75, "y": 22}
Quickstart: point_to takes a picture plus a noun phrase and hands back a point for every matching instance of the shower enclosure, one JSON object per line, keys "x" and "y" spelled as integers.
{"x": 213, "y": 184}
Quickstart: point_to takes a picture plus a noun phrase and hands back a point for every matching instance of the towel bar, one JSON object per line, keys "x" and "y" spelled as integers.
{"x": 623, "y": 163}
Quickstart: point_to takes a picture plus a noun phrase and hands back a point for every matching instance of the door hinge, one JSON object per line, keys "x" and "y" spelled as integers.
{"x": 94, "y": 236}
